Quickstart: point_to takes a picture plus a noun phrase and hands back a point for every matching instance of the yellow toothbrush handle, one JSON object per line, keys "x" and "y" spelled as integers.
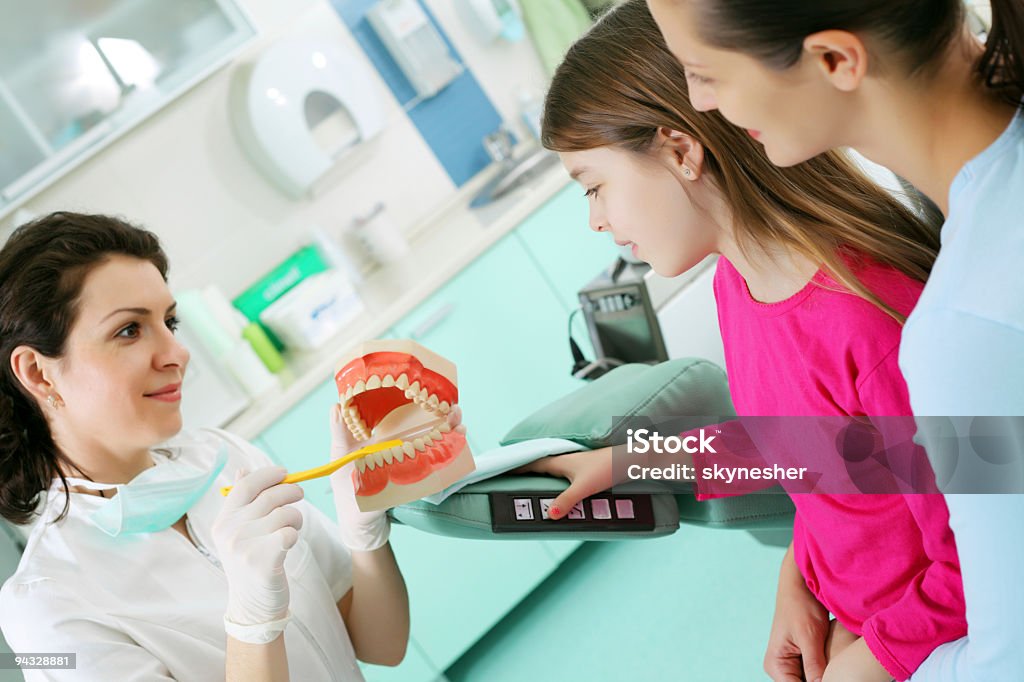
{"x": 331, "y": 467}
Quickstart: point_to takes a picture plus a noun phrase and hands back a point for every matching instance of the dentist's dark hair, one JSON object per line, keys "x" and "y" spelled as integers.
{"x": 43, "y": 266}
{"x": 912, "y": 34}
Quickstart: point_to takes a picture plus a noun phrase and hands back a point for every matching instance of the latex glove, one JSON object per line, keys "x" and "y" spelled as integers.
{"x": 361, "y": 531}
{"x": 253, "y": 533}
{"x": 796, "y": 645}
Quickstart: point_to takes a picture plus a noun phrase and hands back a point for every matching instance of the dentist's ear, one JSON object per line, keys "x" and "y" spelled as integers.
{"x": 683, "y": 153}
{"x": 32, "y": 369}
{"x": 841, "y": 58}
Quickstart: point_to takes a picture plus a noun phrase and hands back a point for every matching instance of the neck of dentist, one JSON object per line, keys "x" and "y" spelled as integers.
{"x": 94, "y": 458}
{"x": 925, "y": 130}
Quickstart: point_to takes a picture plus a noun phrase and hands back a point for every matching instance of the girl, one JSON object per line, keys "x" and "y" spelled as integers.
{"x": 905, "y": 83}
{"x": 818, "y": 268}
{"x": 135, "y": 561}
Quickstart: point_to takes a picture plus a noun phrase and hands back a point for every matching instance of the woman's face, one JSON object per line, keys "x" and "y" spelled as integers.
{"x": 120, "y": 377}
{"x": 796, "y": 113}
{"x": 642, "y": 202}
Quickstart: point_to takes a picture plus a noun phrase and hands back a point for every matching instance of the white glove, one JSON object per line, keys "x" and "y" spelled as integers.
{"x": 253, "y": 533}
{"x": 361, "y": 531}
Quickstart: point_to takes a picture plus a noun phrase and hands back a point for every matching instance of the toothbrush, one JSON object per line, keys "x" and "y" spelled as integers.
{"x": 331, "y": 467}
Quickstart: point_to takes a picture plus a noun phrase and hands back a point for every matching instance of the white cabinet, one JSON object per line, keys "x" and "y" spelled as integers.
{"x": 74, "y": 75}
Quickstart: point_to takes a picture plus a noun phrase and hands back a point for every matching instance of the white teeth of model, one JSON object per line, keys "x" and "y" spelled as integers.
{"x": 373, "y": 383}
{"x": 423, "y": 395}
{"x": 433, "y": 402}
{"x": 408, "y": 449}
{"x": 444, "y": 427}
{"x": 396, "y": 454}
{"x": 378, "y": 457}
{"x": 348, "y": 393}
{"x": 371, "y": 464}
{"x": 352, "y": 411}
{"x": 388, "y": 382}
{"x": 402, "y": 382}
{"x": 413, "y": 390}
{"x": 360, "y": 387}
{"x": 388, "y": 457}
{"x": 435, "y": 434}
{"x": 419, "y": 444}
{"x": 444, "y": 407}
{"x": 361, "y": 465}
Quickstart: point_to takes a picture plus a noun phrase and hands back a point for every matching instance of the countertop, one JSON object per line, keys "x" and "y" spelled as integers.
{"x": 441, "y": 245}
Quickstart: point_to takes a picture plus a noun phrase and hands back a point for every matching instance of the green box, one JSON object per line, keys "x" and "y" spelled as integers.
{"x": 279, "y": 281}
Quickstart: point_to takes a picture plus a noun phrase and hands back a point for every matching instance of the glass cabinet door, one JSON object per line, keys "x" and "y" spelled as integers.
{"x": 76, "y": 73}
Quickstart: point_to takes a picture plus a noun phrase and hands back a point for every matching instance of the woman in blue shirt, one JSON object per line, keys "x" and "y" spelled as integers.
{"x": 905, "y": 83}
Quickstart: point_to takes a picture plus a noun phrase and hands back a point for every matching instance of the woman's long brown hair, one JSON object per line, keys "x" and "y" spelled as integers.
{"x": 619, "y": 84}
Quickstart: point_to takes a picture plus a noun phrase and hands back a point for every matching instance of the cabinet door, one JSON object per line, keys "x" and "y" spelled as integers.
{"x": 567, "y": 252}
{"x": 459, "y": 589}
{"x": 301, "y": 440}
{"x": 559, "y": 240}
{"x": 499, "y": 322}
{"x": 414, "y": 668}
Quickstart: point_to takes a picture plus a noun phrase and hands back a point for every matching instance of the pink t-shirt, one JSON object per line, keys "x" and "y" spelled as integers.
{"x": 885, "y": 565}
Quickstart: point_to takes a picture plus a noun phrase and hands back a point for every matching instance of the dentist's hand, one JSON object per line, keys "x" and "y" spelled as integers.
{"x": 252, "y": 534}
{"x": 360, "y": 531}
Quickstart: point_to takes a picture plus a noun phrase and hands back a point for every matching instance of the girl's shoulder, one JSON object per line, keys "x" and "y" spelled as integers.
{"x": 897, "y": 289}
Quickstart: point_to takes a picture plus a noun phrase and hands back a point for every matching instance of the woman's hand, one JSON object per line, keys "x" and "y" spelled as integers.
{"x": 796, "y": 645}
{"x": 361, "y": 531}
{"x": 589, "y": 472}
{"x": 253, "y": 533}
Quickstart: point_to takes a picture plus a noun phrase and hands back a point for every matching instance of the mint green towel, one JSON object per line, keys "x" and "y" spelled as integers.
{"x": 554, "y": 25}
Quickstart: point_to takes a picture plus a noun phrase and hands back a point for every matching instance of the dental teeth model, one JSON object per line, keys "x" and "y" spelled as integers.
{"x": 400, "y": 390}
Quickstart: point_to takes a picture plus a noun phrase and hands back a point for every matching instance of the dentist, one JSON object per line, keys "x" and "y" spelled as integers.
{"x": 135, "y": 562}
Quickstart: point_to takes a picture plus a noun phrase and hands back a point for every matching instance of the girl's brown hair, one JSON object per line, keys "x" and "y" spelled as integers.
{"x": 619, "y": 84}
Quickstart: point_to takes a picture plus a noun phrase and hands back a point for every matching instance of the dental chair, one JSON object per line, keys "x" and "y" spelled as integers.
{"x": 512, "y": 507}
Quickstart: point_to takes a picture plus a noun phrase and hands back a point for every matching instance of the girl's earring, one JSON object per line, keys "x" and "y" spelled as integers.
{"x": 55, "y": 402}
{"x": 686, "y": 172}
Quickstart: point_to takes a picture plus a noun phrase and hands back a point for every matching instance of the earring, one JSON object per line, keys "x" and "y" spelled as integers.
{"x": 686, "y": 172}
{"x": 55, "y": 402}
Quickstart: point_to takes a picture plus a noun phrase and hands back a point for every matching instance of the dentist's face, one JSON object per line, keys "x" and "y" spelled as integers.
{"x": 795, "y": 113}
{"x": 644, "y": 204}
{"x": 120, "y": 377}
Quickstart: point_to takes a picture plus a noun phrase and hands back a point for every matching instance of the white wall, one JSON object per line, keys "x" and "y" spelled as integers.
{"x": 183, "y": 175}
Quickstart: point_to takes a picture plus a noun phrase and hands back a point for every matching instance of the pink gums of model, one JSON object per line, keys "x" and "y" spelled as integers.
{"x": 400, "y": 390}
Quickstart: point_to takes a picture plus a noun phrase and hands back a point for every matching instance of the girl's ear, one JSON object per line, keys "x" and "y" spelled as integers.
{"x": 682, "y": 152}
{"x": 840, "y": 56}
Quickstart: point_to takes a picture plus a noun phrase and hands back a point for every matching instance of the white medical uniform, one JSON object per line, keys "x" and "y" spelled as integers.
{"x": 150, "y": 606}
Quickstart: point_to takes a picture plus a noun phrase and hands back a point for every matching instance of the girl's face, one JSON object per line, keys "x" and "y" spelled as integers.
{"x": 796, "y": 114}
{"x": 120, "y": 377}
{"x": 643, "y": 203}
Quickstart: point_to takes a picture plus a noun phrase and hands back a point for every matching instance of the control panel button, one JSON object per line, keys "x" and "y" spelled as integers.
{"x": 545, "y": 506}
{"x": 576, "y": 512}
{"x": 523, "y": 509}
{"x": 601, "y": 508}
{"x": 624, "y": 509}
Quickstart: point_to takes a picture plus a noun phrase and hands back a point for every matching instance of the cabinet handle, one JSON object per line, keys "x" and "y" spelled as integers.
{"x": 427, "y": 325}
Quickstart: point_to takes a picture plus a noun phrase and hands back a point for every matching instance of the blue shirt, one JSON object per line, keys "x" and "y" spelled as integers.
{"x": 962, "y": 351}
